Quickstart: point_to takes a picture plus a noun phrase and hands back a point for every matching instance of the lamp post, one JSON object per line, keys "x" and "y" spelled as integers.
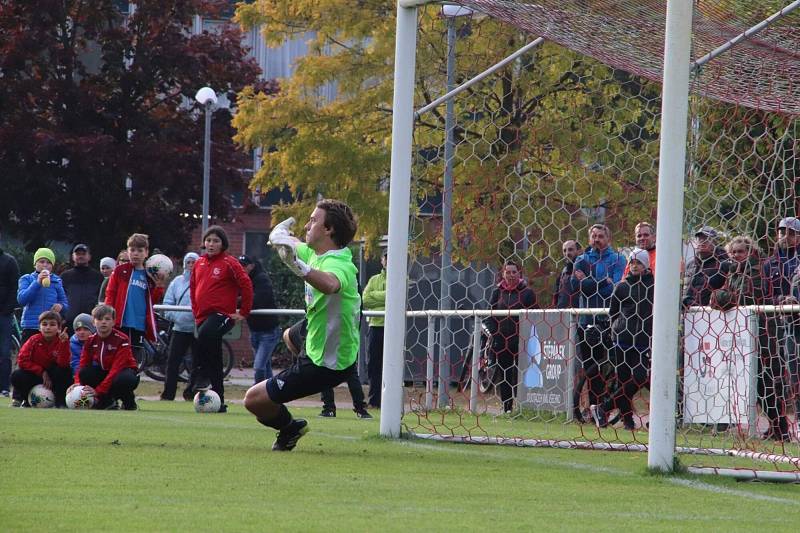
{"x": 449, "y": 12}
{"x": 208, "y": 99}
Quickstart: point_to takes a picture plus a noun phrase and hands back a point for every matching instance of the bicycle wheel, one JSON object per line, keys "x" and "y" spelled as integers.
{"x": 14, "y": 352}
{"x": 156, "y": 368}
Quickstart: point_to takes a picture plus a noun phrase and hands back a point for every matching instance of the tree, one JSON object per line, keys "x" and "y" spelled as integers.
{"x": 548, "y": 136}
{"x": 99, "y": 130}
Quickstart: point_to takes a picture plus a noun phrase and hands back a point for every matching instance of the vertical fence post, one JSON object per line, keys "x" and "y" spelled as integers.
{"x": 476, "y": 365}
{"x": 429, "y": 363}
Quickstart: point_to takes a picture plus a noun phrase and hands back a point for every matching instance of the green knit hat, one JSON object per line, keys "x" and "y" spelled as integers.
{"x": 44, "y": 253}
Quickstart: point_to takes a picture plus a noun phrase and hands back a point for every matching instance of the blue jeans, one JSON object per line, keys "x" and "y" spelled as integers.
{"x": 5, "y": 351}
{"x": 264, "y": 343}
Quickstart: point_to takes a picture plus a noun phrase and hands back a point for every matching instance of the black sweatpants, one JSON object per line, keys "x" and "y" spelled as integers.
{"x": 633, "y": 373}
{"x": 593, "y": 356}
{"x": 356, "y": 392}
{"x": 506, "y": 357}
{"x": 771, "y": 376}
{"x": 208, "y": 354}
{"x": 180, "y": 343}
{"x": 375, "y": 364}
{"x": 23, "y": 381}
{"x": 122, "y": 386}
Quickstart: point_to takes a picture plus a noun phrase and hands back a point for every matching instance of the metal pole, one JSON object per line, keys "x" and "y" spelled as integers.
{"x": 671, "y": 174}
{"x": 429, "y": 363}
{"x": 399, "y": 199}
{"x": 206, "y": 166}
{"x": 447, "y": 222}
{"x": 476, "y": 365}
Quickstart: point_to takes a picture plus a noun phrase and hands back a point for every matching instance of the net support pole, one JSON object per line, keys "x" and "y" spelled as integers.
{"x": 429, "y": 363}
{"x": 671, "y": 177}
{"x": 475, "y": 367}
{"x": 399, "y": 198}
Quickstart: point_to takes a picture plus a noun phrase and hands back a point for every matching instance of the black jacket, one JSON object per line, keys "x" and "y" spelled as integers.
{"x": 9, "y": 277}
{"x": 82, "y": 285}
{"x": 631, "y": 311}
{"x": 702, "y": 277}
{"x": 520, "y": 297}
{"x": 263, "y": 298}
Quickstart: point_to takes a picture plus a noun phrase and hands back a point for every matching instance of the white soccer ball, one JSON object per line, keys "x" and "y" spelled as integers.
{"x": 41, "y": 396}
{"x": 207, "y": 401}
{"x": 159, "y": 265}
{"x": 80, "y": 398}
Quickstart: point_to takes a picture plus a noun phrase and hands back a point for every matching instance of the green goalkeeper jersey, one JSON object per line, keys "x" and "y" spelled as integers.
{"x": 332, "y": 319}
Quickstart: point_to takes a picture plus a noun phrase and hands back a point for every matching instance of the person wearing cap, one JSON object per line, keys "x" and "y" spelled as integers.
{"x": 747, "y": 286}
{"x": 264, "y": 330}
{"x": 631, "y": 313}
{"x": 781, "y": 265}
{"x": 596, "y": 272}
{"x": 182, "y": 339}
{"x": 9, "y": 275}
{"x": 374, "y": 299}
{"x": 107, "y": 266}
{"x": 645, "y": 235}
{"x": 40, "y": 291}
{"x": 83, "y": 328}
{"x": 703, "y": 274}
{"x": 122, "y": 258}
{"x": 81, "y": 283}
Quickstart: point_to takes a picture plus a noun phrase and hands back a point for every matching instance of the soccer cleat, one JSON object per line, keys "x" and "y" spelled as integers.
{"x": 17, "y": 403}
{"x": 327, "y": 413}
{"x": 288, "y": 436}
{"x": 202, "y": 384}
{"x": 362, "y": 414}
{"x": 599, "y": 415}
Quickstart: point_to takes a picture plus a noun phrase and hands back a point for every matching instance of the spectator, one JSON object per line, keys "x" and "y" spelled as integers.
{"x": 512, "y": 293}
{"x": 703, "y": 275}
{"x": 107, "y": 266}
{"x": 107, "y": 364}
{"x": 596, "y": 272}
{"x": 264, "y": 331}
{"x": 40, "y": 291}
{"x": 631, "y": 314}
{"x": 645, "y": 240}
{"x": 182, "y": 339}
{"x": 215, "y": 284}
{"x": 83, "y": 328}
{"x": 122, "y": 257}
{"x": 746, "y": 285}
{"x": 374, "y": 299}
{"x": 564, "y": 297}
{"x": 132, "y": 292}
{"x": 9, "y": 276}
{"x": 81, "y": 283}
{"x": 43, "y": 360}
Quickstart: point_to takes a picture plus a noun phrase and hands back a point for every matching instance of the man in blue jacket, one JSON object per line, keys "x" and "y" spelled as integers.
{"x": 594, "y": 275}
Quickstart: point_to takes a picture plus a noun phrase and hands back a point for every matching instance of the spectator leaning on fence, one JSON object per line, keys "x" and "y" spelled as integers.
{"x": 596, "y": 272}
{"x": 645, "y": 234}
{"x": 564, "y": 297}
{"x": 703, "y": 274}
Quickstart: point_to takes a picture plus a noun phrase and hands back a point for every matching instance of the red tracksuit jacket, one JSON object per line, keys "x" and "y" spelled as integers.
{"x": 117, "y": 297}
{"x": 112, "y": 354}
{"x": 37, "y": 355}
{"x": 215, "y": 284}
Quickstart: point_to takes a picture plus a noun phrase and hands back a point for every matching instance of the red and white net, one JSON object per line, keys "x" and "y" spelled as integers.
{"x": 566, "y": 137}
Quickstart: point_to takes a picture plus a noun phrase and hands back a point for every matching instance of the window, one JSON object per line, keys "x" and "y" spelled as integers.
{"x": 255, "y": 244}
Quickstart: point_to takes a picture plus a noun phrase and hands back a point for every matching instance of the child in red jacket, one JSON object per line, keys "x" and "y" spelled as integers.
{"x": 43, "y": 360}
{"x": 107, "y": 364}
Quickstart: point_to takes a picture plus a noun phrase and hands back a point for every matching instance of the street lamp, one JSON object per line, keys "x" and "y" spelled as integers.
{"x": 208, "y": 99}
{"x": 450, "y": 13}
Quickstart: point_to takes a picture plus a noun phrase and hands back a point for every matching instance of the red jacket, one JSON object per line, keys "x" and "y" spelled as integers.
{"x": 37, "y": 355}
{"x": 117, "y": 297}
{"x": 215, "y": 284}
{"x": 112, "y": 354}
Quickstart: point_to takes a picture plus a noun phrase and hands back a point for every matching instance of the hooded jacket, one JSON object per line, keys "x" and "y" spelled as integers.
{"x": 631, "y": 311}
{"x": 117, "y": 297}
{"x": 603, "y": 269}
{"x": 703, "y": 275}
{"x": 36, "y": 299}
{"x": 178, "y": 293}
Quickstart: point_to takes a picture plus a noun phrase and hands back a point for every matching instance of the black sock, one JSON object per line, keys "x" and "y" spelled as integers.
{"x": 283, "y": 419}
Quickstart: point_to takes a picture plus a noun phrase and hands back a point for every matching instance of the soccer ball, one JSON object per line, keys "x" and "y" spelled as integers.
{"x": 207, "y": 401}
{"x": 159, "y": 265}
{"x": 41, "y": 397}
{"x": 78, "y": 398}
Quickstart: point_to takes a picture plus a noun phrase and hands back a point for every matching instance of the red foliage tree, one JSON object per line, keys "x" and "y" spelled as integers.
{"x": 92, "y": 101}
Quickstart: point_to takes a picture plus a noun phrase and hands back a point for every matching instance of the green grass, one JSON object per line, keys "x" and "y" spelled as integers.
{"x": 166, "y": 468}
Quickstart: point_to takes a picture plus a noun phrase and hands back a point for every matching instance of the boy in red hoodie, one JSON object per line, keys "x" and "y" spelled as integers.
{"x": 107, "y": 364}
{"x": 43, "y": 360}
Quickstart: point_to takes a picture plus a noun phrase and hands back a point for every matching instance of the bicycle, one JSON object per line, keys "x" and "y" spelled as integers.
{"x": 488, "y": 370}
{"x": 16, "y": 339}
{"x": 152, "y": 357}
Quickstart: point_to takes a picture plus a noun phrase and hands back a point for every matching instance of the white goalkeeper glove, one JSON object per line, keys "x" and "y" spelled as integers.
{"x": 282, "y": 240}
{"x": 283, "y": 229}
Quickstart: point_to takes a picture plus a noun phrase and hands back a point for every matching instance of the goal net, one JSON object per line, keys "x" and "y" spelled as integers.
{"x": 532, "y": 189}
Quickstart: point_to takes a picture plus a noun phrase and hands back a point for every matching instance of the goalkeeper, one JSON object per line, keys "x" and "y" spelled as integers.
{"x": 333, "y": 304}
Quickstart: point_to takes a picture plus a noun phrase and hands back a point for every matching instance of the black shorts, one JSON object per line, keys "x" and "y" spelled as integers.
{"x": 304, "y": 378}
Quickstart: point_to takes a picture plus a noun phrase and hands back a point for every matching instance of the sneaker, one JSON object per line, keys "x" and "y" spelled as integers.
{"x": 288, "y": 436}
{"x": 363, "y": 414}
{"x": 628, "y": 424}
{"x": 130, "y": 405}
{"x": 599, "y": 415}
{"x": 107, "y": 404}
{"x": 327, "y": 413}
{"x": 223, "y": 408}
{"x": 188, "y": 394}
{"x": 16, "y": 403}
{"x": 4, "y": 393}
{"x": 578, "y": 417}
{"x": 202, "y": 384}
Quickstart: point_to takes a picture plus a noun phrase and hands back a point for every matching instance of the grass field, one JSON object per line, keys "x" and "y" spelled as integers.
{"x": 166, "y": 468}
